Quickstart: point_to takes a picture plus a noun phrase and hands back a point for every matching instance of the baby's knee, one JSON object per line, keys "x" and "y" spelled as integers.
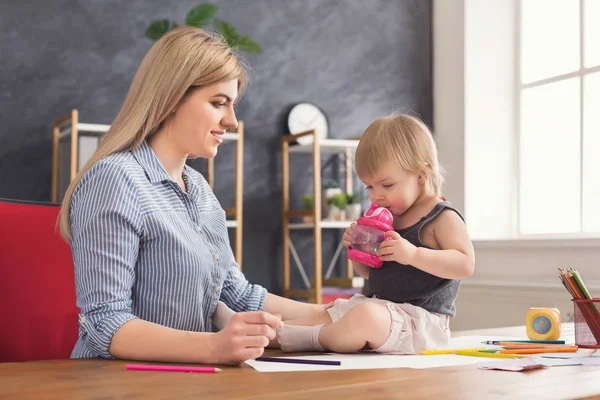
{"x": 371, "y": 316}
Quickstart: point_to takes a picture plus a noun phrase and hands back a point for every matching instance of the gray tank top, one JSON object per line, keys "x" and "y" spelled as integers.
{"x": 407, "y": 284}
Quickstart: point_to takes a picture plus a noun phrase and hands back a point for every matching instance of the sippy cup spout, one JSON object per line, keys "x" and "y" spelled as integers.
{"x": 377, "y": 217}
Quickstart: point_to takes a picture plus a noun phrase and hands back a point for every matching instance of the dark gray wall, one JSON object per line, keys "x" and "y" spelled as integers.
{"x": 356, "y": 59}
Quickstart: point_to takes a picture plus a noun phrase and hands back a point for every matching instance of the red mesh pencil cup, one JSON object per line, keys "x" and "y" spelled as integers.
{"x": 587, "y": 322}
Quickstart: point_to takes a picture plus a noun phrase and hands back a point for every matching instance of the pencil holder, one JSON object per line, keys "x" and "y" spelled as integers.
{"x": 586, "y": 317}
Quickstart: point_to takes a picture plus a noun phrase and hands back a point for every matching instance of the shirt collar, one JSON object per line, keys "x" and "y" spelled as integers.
{"x": 146, "y": 157}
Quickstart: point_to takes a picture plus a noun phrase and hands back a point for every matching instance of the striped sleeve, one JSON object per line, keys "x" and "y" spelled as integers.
{"x": 239, "y": 294}
{"x": 106, "y": 225}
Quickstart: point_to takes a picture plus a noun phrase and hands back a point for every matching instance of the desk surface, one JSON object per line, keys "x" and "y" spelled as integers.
{"x": 101, "y": 379}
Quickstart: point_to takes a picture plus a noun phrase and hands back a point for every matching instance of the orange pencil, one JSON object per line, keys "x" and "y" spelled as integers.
{"x": 534, "y": 346}
{"x": 539, "y": 351}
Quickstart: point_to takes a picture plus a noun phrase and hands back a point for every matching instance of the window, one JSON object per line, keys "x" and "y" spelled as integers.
{"x": 559, "y": 117}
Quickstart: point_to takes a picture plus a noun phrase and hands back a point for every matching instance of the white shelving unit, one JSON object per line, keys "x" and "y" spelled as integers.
{"x": 326, "y": 146}
{"x": 325, "y": 224}
{"x": 81, "y": 139}
{"x": 318, "y": 147}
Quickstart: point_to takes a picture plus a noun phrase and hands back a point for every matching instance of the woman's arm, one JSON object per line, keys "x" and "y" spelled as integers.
{"x": 106, "y": 226}
{"x": 291, "y": 309}
{"x": 244, "y": 338}
{"x": 143, "y": 340}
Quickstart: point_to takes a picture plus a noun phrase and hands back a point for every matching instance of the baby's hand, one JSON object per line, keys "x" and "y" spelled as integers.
{"x": 348, "y": 235}
{"x": 397, "y": 249}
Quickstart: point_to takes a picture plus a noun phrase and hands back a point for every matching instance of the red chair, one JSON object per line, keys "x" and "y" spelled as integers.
{"x": 38, "y": 314}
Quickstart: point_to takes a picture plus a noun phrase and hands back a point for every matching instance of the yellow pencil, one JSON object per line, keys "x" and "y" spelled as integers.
{"x": 482, "y": 354}
{"x": 435, "y": 352}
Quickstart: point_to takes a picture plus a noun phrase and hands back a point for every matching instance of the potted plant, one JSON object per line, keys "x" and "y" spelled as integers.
{"x": 337, "y": 207}
{"x": 331, "y": 189}
{"x": 307, "y": 205}
{"x": 201, "y": 16}
{"x": 353, "y": 207}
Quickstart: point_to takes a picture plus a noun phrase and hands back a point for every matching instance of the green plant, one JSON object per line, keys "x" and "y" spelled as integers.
{"x": 202, "y": 16}
{"x": 331, "y": 184}
{"x": 307, "y": 201}
{"x": 353, "y": 198}
{"x": 340, "y": 201}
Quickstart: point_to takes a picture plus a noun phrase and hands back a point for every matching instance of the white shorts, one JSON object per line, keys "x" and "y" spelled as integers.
{"x": 413, "y": 329}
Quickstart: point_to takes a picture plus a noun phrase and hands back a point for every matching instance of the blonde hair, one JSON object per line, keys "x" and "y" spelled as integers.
{"x": 183, "y": 59}
{"x": 402, "y": 139}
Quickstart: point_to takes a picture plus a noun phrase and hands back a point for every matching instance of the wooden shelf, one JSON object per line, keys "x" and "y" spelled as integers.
{"x": 299, "y": 213}
{"x": 354, "y": 282}
{"x": 101, "y": 129}
{"x": 324, "y": 225}
{"x": 327, "y": 146}
{"x": 316, "y": 148}
{"x": 231, "y": 136}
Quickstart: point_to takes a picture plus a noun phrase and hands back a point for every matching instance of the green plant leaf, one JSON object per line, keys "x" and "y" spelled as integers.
{"x": 201, "y": 15}
{"x": 248, "y": 45}
{"x": 158, "y": 28}
{"x": 228, "y": 31}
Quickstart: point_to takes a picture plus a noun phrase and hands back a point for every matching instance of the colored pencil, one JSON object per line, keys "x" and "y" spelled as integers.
{"x": 170, "y": 368}
{"x": 573, "y": 282}
{"x": 533, "y": 346}
{"x": 485, "y": 354}
{"x": 436, "y": 352}
{"x": 538, "y": 351}
{"x": 298, "y": 361}
{"x": 500, "y": 342}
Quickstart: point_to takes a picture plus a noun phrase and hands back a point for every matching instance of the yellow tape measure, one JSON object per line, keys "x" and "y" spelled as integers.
{"x": 543, "y": 323}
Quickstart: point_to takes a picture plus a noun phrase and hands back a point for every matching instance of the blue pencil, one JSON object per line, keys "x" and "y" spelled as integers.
{"x": 524, "y": 341}
{"x": 298, "y": 361}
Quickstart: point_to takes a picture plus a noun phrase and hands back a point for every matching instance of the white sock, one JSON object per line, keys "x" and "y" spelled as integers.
{"x": 299, "y": 338}
{"x": 222, "y": 315}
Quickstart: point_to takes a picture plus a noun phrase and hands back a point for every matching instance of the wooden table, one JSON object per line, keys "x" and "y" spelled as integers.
{"x": 103, "y": 380}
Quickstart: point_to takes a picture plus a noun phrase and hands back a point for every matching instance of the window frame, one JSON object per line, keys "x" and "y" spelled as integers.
{"x": 520, "y": 87}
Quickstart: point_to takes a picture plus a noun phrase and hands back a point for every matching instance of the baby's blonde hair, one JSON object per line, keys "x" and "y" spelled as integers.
{"x": 402, "y": 139}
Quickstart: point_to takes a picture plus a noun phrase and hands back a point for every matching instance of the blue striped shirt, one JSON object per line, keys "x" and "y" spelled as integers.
{"x": 144, "y": 248}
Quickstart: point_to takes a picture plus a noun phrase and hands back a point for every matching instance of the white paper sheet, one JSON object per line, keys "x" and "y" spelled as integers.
{"x": 377, "y": 361}
{"x": 533, "y": 362}
{"x": 580, "y": 353}
{"x": 515, "y": 365}
{"x": 365, "y": 361}
{"x": 557, "y": 362}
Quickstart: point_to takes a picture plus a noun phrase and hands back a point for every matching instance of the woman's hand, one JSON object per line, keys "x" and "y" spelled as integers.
{"x": 245, "y": 337}
{"x": 348, "y": 235}
{"x": 397, "y": 249}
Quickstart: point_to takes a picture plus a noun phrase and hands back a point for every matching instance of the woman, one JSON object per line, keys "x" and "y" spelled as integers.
{"x": 149, "y": 240}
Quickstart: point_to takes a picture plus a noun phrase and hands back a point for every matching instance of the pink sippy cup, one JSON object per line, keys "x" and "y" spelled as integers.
{"x": 369, "y": 234}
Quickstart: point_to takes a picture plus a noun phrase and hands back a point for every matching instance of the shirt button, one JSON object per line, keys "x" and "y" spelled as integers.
{"x": 216, "y": 256}
{"x": 199, "y": 228}
{"x": 217, "y": 289}
{"x": 83, "y": 320}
